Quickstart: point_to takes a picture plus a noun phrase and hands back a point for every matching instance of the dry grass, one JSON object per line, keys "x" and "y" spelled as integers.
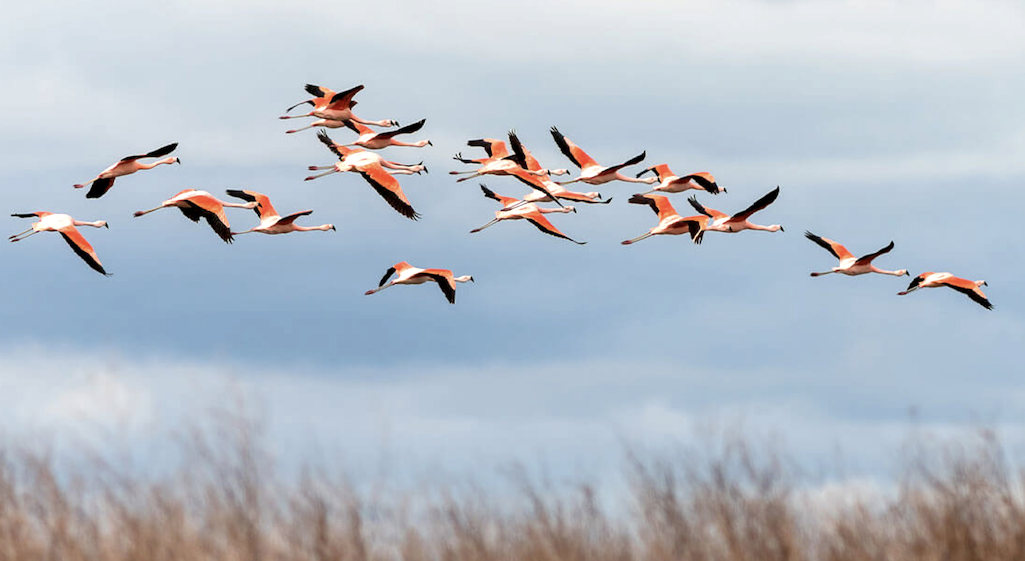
{"x": 955, "y": 503}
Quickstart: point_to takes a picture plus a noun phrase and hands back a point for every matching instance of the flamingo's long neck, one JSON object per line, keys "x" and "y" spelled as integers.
{"x": 169, "y": 160}
{"x": 885, "y": 272}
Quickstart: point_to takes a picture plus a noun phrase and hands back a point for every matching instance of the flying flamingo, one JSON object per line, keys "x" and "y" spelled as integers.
{"x": 848, "y": 264}
{"x": 965, "y": 286}
{"x": 495, "y": 149}
{"x": 196, "y": 204}
{"x": 408, "y": 274}
{"x": 724, "y": 223}
{"x": 512, "y": 164}
{"x": 529, "y": 212}
{"x": 669, "y": 221}
{"x": 669, "y": 182}
{"x": 270, "y": 221}
{"x": 372, "y": 140}
{"x": 592, "y": 173}
{"x": 544, "y": 177}
{"x": 50, "y": 222}
{"x": 371, "y": 167}
{"x": 127, "y": 165}
{"x": 334, "y": 106}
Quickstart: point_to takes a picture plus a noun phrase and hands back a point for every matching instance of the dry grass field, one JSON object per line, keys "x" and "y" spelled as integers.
{"x": 224, "y": 501}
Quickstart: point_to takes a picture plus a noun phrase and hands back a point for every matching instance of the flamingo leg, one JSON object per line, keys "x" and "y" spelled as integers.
{"x": 139, "y": 213}
{"x": 321, "y": 174}
{"x": 467, "y": 177}
{"x": 19, "y": 234}
{"x": 378, "y": 289}
{"x": 492, "y": 223}
{"x": 25, "y": 236}
{"x": 300, "y": 129}
{"x": 637, "y": 239}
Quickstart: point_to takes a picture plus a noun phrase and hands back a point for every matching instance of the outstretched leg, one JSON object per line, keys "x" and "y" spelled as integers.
{"x": 637, "y": 239}
{"x": 492, "y": 223}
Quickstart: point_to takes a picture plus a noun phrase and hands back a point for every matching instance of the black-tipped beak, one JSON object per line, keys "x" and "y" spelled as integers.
{"x": 985, "y": 283}
{"x": 781, "y": 229}
{"x": 471, "y": 279}
{"x": 179, "y": 160}
{"x": 105, "y": 225}
{"x": 429, "y": 143}
{"x": 333, "y": 229}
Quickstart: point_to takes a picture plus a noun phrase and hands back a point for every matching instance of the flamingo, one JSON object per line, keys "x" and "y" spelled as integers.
{"x": 270, "y": 221}
{"x": 669, "y": 221}
{"x": 50, "y": 222}
{"x": 127, "y": 165}
{"x": 511, "y": 164}
{"x": 590, "y": 171}
{"x": 529, "y": 212}
{"x": 848, "y": 264}
{"x": 724, "y": 223}
{"x": 495, "y": 149}
{"x": 965, "y": 286}
{"x": 544, "y": 177}
{"x": 408, "y": 274}
{"x": 326, "y": 123}
{"x": 669, "y": 182}
{"x": 334, "y": 106}
{"x": 372, "y": 140}
{"x": 371, "y": 167}
{"x": 196, "y": 204}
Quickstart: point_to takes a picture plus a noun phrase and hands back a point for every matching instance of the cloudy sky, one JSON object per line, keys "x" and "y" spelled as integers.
{"x": 880, "y": 121}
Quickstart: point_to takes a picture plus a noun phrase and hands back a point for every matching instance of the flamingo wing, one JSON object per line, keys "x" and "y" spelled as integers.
{"x": 444, "y": 280}
{"x": 388, "y": 187}
{"x": 661, "y": 171}
{"x": 761, "y": 203}
{"x": 542, "y": 223}
{"x": 387, "y": 274}
{"x": 159, "y": 152}
{"x": 506, "y": 201}
{"x": 99, "y": 187}
{"x": 291, "y": 217}
{"x": 263, "y": 207}
{"x": 968, "y": 288}
{"x": 213, "y": 211}
{"x": 343, "y": 98}
{"x": 838, "y": 251}
{"x": 658, "y": 203}
{"x": 335, "y": 149}
{"x": 705, "y": 180}
{"x": 494, "y": 148}
{"x": 572, "y": 151}
{"x": 865, "y": 260}
{"x": 523, "y": 156}
{"x": 534, "y": 182}
{"x": 709, "y": 212}
{"x": 82, "y": 248}
{"x": 635, "y": 160}
{"x": 411, "y": 128}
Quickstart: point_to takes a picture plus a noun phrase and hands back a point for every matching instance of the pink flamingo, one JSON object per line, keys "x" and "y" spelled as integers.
{"x": 50, "y": 222}
{"x": 127, "y": 165}
{"x": 270, "y": 221}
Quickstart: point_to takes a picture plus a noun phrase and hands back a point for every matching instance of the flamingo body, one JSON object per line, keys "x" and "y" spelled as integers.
{"x": 65, "y": 225}
{"x": 408, "y": 274}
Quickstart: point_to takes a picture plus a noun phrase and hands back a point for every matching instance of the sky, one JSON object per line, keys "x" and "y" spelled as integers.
{"x": 879, "y": 121}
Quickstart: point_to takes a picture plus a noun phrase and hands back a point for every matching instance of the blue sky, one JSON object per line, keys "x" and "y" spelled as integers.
{"x": 880, "y": 121}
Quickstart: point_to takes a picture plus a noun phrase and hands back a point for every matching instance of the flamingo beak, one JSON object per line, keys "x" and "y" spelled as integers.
{"x": 333, "y": 229}
{"x": 178, "y": 160}
{"x": 781, "y": 229}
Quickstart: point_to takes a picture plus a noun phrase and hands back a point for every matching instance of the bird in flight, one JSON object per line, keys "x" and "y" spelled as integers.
{"x": 967, "y": 287}
{"x": 408, "y": 274}
{"x": 669, "y": 182}
{"x": 196, "y": 204}
{"x": 65, "y": 225}
{"x": 127, "y": 165}
{"x": 529, "y": 212}
{"x": 270, "y": 221}
{"x": 372, "y": 167}
{"x": 849, "y": 265}
{"x": 669, "y": 221}
{"x": 590, "y": 171}
{"x": 721, "y": 222}
{"x": 333, "y": 106}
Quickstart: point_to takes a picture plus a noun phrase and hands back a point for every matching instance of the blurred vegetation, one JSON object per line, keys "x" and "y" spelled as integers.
{"x": 224, "y": 501}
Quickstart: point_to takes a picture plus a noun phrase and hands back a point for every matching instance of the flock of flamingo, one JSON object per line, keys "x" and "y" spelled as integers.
{"x": 335, "y": 110}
